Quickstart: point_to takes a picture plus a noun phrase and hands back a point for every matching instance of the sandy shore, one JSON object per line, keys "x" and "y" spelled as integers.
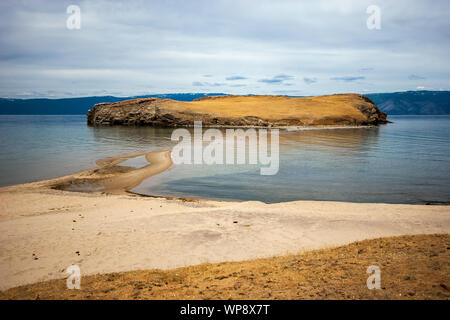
{"x": 44, "y": 229}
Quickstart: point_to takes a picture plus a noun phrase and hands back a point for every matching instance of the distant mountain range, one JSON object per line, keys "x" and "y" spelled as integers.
{"x": 413, "y": 102}
{"x": 396, "y": 103}
{"x": 77, "y": 105}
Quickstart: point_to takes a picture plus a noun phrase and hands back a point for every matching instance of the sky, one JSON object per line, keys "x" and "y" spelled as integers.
{"x": 286, "y": 47}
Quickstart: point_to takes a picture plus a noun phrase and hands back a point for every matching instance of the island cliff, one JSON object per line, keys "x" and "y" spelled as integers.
{"x": 242, "y": 111}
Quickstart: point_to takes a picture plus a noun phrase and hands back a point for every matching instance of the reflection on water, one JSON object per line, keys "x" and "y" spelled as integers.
{"x": 403, "y": 162}
{"x": 137, "y": 162}
{"x": 352, "y": 141}
{"x": 132, "y": 138}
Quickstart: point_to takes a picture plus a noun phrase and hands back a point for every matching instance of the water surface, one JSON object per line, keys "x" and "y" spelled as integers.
{"x": 403, "y": 162}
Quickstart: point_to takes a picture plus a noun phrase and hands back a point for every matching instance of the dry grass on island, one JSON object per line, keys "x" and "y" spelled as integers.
{"x": 241, "y": 111}
{"x": 412, "y": 267}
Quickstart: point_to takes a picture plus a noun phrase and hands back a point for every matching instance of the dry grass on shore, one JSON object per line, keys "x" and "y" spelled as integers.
{"x": 412, "y": 267}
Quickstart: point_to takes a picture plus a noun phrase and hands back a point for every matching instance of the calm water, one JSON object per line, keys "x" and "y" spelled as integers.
{"x": 404, "y": 162}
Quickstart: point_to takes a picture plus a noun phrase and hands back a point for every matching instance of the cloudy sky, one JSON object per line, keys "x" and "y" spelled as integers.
{"x": 233, "y": 46}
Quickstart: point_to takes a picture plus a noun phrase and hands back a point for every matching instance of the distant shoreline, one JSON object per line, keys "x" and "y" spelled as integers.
{"x": 393, "y": 103}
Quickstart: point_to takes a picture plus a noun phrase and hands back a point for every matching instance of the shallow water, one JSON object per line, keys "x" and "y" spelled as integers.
{"x": 403, "y": 162}
{"x": 137, "y": 162}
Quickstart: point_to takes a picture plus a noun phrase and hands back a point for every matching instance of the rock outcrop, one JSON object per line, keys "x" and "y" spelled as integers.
{"x": 242, "y": 111}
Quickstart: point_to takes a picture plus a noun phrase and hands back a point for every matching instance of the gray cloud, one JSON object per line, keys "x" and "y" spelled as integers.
{"x": 283, "y": 77}
{"x": 278, "y": 79}
{"x": 206, "y": 84}
{"x": 232, "y": 78}
{"x": 270, "y": 80}
{"x": 348, "y": 78}
{"x": 415, "y": 77}
{"x": 310, "y": 80}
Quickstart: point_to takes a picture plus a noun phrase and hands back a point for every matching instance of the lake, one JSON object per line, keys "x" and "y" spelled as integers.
{"x": 406, "y": 161}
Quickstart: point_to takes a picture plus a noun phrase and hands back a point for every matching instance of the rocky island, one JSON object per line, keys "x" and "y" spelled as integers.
{"x": 241, "y": 111}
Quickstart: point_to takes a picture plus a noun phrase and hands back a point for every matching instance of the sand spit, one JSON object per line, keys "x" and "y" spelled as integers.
{"x": 110, "y": 177}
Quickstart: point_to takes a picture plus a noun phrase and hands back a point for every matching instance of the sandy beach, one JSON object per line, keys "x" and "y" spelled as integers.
{"x": 44, "y": 229}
